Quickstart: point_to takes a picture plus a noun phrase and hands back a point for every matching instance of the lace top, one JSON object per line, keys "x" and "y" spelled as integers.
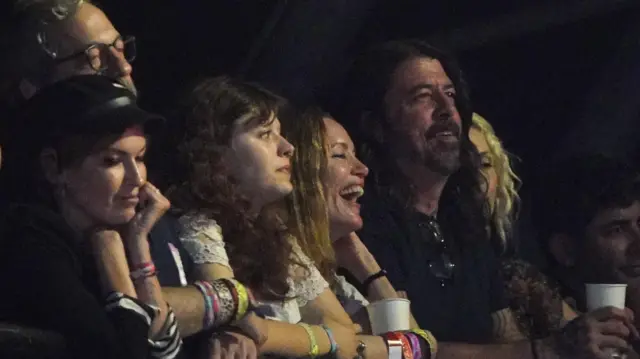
{"x": 202, "y": 238}
{"x": 351, "y": 299}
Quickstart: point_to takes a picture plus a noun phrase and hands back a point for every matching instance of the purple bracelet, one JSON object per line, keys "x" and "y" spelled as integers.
{"x": 415, "y": 345}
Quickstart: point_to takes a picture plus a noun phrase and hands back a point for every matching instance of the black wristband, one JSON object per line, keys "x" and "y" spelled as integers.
{"x": 367, "y": 282}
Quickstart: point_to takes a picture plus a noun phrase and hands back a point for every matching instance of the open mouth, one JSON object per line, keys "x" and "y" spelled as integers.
{"x": 352, "y": 193}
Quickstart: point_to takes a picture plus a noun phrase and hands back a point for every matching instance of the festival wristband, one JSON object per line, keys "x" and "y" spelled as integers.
{"x": 394, "y": 344}
{"x": 209, "y": 315}
{"x": 226, "y": 303}
{"x": 429, "y": 338}
{"x": 313, "y": 346}
{"x": 415, "y": 345}
{"x": 407, "y": 352}
{"x": 332, "y": 340}
{"x": 243, "y": 299}
{"x": 144, "y": 270}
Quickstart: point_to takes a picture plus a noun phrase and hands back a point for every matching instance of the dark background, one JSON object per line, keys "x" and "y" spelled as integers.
{"x": 552, "y": 76}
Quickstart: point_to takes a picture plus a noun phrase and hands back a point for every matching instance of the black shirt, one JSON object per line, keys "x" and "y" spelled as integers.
{"x": 455, "y": 310}
{"x": 48, "y": 280}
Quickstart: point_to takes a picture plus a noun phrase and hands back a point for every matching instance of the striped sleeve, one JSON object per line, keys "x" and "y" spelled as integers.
{"x": 167, "y": 344}
{"x": 119, "y": 301}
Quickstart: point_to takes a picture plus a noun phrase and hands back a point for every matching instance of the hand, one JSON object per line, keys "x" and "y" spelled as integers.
{"x": 345, "y": 338}
{"x": 355, "y": 257}
{"x": 231, "y": 345}
{"x": 254, "y": 327}
{"x": 592, "y": 335}
{"x": 154, "y": 205}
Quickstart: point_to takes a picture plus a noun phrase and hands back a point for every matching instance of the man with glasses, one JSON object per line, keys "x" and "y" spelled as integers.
{"x": 45, "y": 41}
{"x": 423, "y": 214}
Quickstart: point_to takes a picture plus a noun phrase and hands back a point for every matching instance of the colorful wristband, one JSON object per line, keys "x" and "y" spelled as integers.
{"x": 144, "y": 270}
{"x": 407, "y": 352}
{"x": 415, "y": 345}
{"x": 243, "y": 299}
{"x": 313, "y": 346}
{"x": 429, "y": 338}
{"x": 332, "y": 340}
{"x": 394, "y": 344}
{"x": 209, "y": 311}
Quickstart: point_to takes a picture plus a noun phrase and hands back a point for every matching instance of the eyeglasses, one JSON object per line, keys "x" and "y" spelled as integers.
{"x": 442, "y": 267}
{"x": 99, "y": 55}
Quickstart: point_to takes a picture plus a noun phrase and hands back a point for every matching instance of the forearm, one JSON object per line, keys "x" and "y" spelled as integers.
{"x": 113, "y": 270}
{"x": 292, "y": 340}
{"x": 147, "y": 288}
{"x": 188, "y": 306}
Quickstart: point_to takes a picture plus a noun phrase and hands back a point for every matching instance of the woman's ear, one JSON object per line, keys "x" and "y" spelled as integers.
{"x": 49, "y": 162}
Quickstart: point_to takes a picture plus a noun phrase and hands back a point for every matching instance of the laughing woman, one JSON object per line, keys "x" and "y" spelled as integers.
{"x": 324, "y": 213}
{"x": 76, "y": 257}
{"x": 237, "y": 168}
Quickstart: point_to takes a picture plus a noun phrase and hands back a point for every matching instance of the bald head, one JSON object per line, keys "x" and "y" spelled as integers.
{"x": 56, "y": 34}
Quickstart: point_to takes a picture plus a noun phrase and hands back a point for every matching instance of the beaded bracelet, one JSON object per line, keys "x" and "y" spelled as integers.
{"x": 313, "y": 348}
{"x": 332, "y": 340}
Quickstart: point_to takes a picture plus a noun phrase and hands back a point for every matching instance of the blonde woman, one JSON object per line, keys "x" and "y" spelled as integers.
{"x": 324, "y": 214}
{"x": 535, "y": 300}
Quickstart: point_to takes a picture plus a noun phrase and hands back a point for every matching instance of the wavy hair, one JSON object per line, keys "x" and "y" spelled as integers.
{"x": 258, "y": 248}
{"x": 307, "y": 206}
{"x": 364, "y": 115}
{"x": 507, "y": 199}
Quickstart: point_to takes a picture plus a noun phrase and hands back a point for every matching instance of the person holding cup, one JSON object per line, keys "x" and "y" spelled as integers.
{"x": 425, "y": 217}
{"x": 588, "y": 213}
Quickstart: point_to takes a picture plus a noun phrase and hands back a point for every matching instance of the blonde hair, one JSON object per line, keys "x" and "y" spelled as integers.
{"x": 507, "y": 198}
{"x": 307, "y": 207}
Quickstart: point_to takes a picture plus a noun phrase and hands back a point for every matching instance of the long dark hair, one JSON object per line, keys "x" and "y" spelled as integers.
{"x": 258, "y": 249}
{"x": 363, "y": 113}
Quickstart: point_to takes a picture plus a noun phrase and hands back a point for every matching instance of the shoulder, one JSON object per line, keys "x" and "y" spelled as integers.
{"x": 193, "y": 226}
{"x": 34, "y": 233}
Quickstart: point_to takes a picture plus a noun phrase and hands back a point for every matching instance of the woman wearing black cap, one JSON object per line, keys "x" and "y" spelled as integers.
{"x": 75, "y": 256}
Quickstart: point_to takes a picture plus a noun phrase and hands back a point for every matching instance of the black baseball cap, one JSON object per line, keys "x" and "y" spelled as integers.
{"x": 85, "y": 104}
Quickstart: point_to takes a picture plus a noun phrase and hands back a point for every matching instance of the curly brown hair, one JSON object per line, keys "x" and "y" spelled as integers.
{"x": 258, "y": 248}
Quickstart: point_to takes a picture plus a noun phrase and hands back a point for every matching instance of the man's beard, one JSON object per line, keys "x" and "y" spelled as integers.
{"x": 441, "y": 158}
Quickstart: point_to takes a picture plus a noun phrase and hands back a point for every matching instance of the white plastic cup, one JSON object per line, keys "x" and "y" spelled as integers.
{"x": 605, "y": 295}
{"x": 389, "y": 315}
